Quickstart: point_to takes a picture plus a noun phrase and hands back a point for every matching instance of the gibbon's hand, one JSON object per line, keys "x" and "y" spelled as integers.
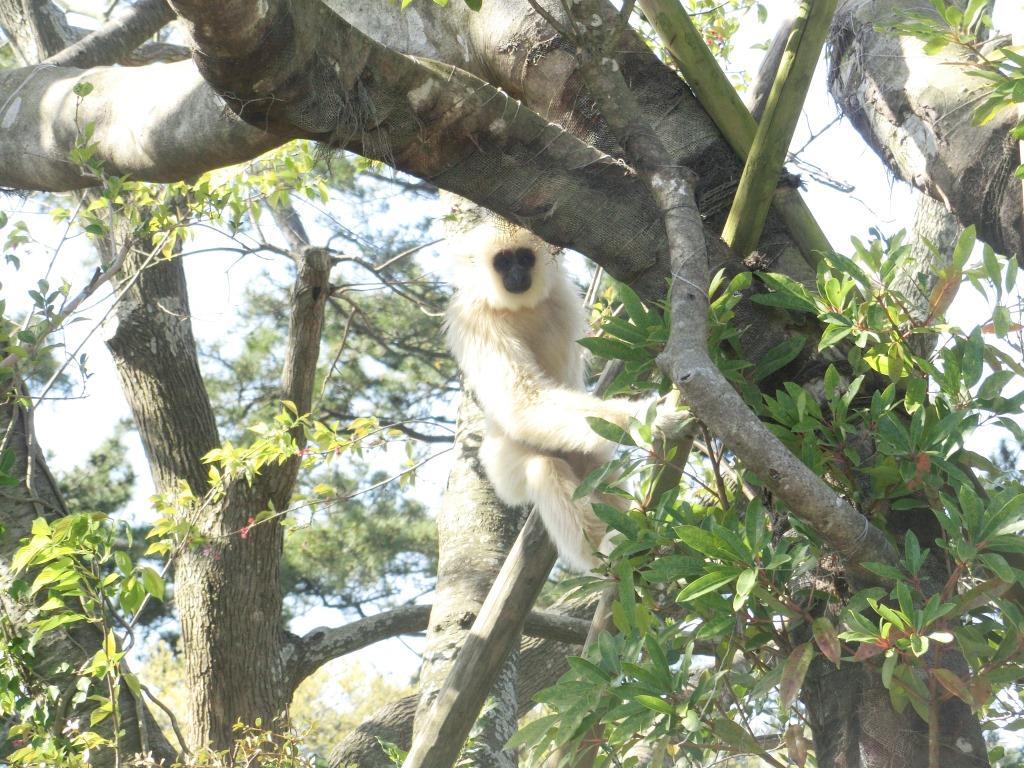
{"x": 670, "y": 423}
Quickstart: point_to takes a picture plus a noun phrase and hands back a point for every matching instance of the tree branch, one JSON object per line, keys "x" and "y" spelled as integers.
{"x": 685, "y": 359}
{"x": 321, "y": 645}
{"x": 496, "y": 628}
{"x": 541, "y": 663}
{"x": 159, "y": 122}
{"x": 117, "y": 38}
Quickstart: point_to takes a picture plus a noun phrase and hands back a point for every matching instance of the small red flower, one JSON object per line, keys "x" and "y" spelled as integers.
{"x": 244, "y": 532}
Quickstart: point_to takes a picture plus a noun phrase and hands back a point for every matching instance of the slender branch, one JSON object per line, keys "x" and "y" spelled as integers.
{"x": 321, "y": 645}
{"x": 98, "y": 279}
{"x": 685, "y": 358}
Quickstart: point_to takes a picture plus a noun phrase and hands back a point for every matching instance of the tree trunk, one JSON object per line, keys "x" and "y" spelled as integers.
{"x": 915, "y": 111}
{"x": 855, "y": 726}
{"x": 227, "y": 586}
{"x": 474, "y": 533}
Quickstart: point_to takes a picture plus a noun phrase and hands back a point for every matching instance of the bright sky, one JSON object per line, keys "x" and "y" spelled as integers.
{"x": 71, "y": 428}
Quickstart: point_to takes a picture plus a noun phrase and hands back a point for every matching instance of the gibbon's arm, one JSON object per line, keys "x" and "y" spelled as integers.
{"x": 527, "y": 405}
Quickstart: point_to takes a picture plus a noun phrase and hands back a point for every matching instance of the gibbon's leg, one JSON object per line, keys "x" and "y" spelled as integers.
{"x": 504, "y": 461}
{"x": 572, "y": 524}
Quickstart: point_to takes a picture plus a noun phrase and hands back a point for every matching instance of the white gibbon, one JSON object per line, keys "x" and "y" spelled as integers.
{"x": 512, "y": 326}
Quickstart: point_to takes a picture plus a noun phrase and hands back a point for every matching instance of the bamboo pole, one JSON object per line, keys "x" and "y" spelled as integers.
{"x": 775, "y": 131}
{"x": 496, "y": 629}
{"x": 720, "y": 100}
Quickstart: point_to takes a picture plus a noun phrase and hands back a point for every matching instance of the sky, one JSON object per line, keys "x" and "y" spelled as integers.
{"x": 70, "y": 428}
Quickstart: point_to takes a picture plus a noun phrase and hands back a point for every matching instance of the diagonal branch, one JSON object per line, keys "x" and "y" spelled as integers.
{"x": 496, "y": 629}
{"x": 719, "y": 98}
{"x": 118, "y": 37}
{"x": 686, "y": 360}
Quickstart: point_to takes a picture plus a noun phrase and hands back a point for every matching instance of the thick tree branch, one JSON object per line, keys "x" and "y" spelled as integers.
{"x": 118, "y": 37}
{"x": 160, "y": 122}
{"x": 496, "y": 628}
{"x": 915, "y": 111}
{"x": 541, "y": 663}
{"x": 319, "y": 646}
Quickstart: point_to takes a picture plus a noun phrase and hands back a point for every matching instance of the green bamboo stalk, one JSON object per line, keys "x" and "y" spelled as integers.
{"x": 720, "y": 100}
{"x": 775, "y": 131}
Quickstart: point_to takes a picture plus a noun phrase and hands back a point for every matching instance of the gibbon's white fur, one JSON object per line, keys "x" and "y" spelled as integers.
{"x": 518, "y": 352}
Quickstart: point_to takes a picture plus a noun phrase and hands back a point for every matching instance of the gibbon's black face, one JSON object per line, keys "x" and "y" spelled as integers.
{"x": 515, "y": 267}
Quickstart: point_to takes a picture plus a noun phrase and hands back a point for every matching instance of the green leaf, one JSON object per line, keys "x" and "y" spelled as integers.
{"x": 588, "y": 670}
{"x": 952, "y": 683}
{"x": 613, "y": 349}
{"x": 704, "y": 542}
{"x": 994, "y": 384}
{"x": 610, "y": 432}
{"x": 1001, "y": 321}
{"x": 123, "y": 562}
{"x": 787, "y": 292}
{"x": 778, "y": 356}
{"x": 532, "y": 731}
{"x": 635, "y": 309}
{"x": 707, "y": 583}
{"x": 658, "y": 660}
{"x": 617, "y": 520}
{"x": 736, "y": 736}
{"x": 745, "y": 583}
{"x": 59, "y": 620}
{"x": 653, "y": 702}
{"x": 627, "y": 592}
{"x": 153, "y": 583}
{"x": 51, "y": 574}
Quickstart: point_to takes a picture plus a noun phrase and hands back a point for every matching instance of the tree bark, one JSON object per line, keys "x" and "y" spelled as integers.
{"x": 914, "y": 111}
{"x": 117, "y": 38}
{"x": 474, "y": 533}
{"x": 227, "y": 589}
{"x": 855, "y": 726}
{"x": 35, "y": 28}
